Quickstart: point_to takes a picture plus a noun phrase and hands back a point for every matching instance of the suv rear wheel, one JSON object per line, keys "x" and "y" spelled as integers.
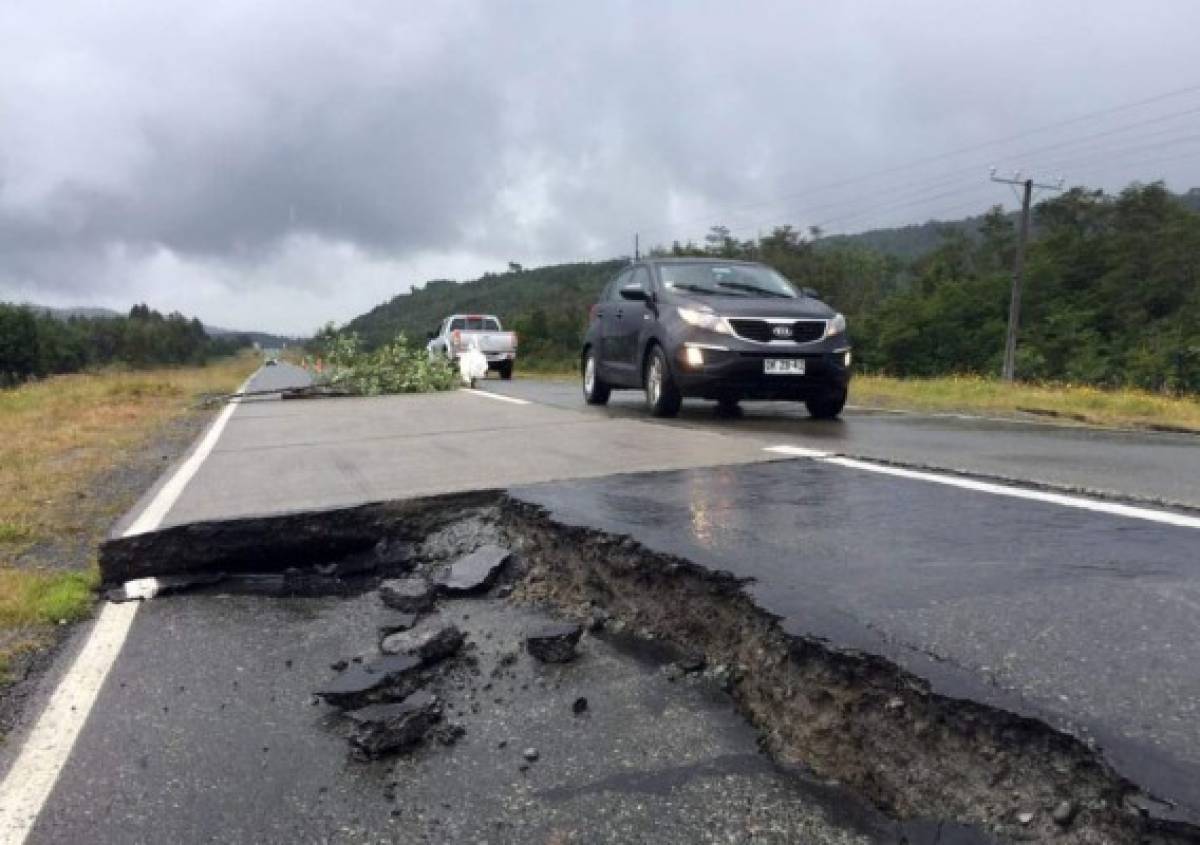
{"x": 662, "y": 396}
{"x": 595, "y": 391}
{"x": 826, "y": 407}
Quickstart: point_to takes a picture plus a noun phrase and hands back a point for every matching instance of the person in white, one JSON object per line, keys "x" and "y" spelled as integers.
{"x": 472, "y": 364}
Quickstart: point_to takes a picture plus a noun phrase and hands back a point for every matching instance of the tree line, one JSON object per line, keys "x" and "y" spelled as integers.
{"x": 34, "y": 344}
{"x": 1111, "y": 297}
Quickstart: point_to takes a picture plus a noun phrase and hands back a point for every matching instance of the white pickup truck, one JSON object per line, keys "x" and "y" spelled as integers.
{"x": 459, "y": 332}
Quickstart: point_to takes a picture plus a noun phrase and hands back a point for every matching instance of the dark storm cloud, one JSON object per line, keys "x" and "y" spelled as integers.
{"x": 251, "y": 159}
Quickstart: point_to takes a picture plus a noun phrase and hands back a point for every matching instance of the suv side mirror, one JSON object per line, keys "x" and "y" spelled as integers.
{"x": 634, "y": 293}
{"x": 811, "y": 293}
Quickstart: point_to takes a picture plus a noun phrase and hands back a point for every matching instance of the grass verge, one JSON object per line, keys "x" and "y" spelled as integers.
{"x": 57, "y": 437}
{"x": 1124, "y": 408}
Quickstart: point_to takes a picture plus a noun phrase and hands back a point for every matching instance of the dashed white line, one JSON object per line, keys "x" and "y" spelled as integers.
{"x": 28, "y": 784}
{"x": 514, "y": 400}
{"x": 1097, "y": 505}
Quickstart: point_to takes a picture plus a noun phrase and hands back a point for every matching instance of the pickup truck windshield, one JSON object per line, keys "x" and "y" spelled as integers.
{"x": 474, "y": 324}
{"x": 709, "y": 279}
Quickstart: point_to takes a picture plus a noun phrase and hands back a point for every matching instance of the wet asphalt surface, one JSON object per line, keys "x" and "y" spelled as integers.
{"x": 228, "y": 745}
{"x": 1085, "y": 619}
{"x": 1081, "y": 618}
{"x": 1141, "y": 465}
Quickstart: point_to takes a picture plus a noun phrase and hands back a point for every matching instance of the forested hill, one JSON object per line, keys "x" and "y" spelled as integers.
{"x": 37, "y": 342}
{"x": 560, "y": 294}
{"x": 263, "y": 339}
{"x": 1112, "y": 294}
{"x": 907, "y": 243}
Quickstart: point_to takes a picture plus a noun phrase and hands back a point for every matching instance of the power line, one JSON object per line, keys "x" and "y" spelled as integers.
{"x": 971, "y": 148}
{"x": 1112, "y": 153}
{"x": 893, "y": 206}
{"x": 973, "y": 168}
{"x": 979, "y": 205}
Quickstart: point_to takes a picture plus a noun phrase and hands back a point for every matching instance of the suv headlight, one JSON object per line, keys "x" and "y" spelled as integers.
{"x": 710, "y": 320}
{"x": 835, "y": 326}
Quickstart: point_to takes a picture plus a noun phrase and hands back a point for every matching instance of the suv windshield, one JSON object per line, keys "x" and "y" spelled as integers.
{"x": 709, "y": 279}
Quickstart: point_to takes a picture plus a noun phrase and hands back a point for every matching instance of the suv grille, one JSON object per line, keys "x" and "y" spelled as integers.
{"x": 801, "y": 331}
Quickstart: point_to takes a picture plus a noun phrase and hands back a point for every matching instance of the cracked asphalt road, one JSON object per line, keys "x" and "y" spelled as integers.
{"x": 1144, "y": 465}
{"x": 1084, "y": 617}
{"x": 1085, "y": 620}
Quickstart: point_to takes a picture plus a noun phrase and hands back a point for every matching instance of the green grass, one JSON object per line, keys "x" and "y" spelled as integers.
{"x": 42, "y": 597}
{"x": 1119, "y": 408}
{"x": 14, "y": 533}
{"x": 32, "y": 602}
{"x": 1072, "y": 403}
{"x": 57, "y": 436}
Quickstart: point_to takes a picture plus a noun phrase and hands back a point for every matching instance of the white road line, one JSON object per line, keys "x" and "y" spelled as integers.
{"x": 798, "y": 451}
{"x": 514, "y": 400}
{"x": 24, "y": 792}
{"x": 28, "y": 784}
{"x": 1097, "y": 505}
{"x": 150, "y": 518}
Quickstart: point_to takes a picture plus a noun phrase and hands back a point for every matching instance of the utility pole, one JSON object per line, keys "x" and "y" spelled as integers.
{"x": 636, "y": 252}
{"x": 1014, "y": 302}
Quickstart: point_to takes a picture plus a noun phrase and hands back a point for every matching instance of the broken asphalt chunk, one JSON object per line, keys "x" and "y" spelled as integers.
{"x": 448, "y": 734}
{"x": 554, "y": 643}
{"x": 395, "y": 622}
{"x": 390, "y": 677}
{"x": 384, "y": 728}
{"x": 475, "y": 571}
{"x": 393, "y": 554}
{"x": 430, "y": 643}
{"x": 410, "y": 595}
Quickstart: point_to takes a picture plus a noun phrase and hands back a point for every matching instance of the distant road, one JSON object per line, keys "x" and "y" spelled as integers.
{"x": 1148, "y": 466}
{"x": 282, "y": 376}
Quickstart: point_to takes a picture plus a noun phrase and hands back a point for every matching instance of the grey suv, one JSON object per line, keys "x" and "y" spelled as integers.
{"x": 714, "y": 329}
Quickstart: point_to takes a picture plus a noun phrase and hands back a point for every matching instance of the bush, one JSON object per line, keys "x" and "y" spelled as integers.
{"x": 394, "y": 367}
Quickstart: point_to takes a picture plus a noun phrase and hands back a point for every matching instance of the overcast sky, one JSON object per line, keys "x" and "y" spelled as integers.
{"x": 278, "y": 163}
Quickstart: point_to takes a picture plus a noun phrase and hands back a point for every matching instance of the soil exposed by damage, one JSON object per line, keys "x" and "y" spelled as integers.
{"x": 838, "y": 717}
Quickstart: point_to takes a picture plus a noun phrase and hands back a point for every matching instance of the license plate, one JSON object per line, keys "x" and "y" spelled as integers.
{"x": 783, "y": 366}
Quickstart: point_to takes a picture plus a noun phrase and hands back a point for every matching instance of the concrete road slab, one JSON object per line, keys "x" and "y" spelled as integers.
{"x": 285, "y": 456}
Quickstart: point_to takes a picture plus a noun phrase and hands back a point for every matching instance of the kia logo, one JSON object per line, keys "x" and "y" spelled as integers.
{"x": 781, "y": 331}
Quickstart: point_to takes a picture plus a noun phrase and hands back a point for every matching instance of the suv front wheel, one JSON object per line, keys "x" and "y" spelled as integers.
{"x": 826, "y": 407}
{"x": 662, "y": 396}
